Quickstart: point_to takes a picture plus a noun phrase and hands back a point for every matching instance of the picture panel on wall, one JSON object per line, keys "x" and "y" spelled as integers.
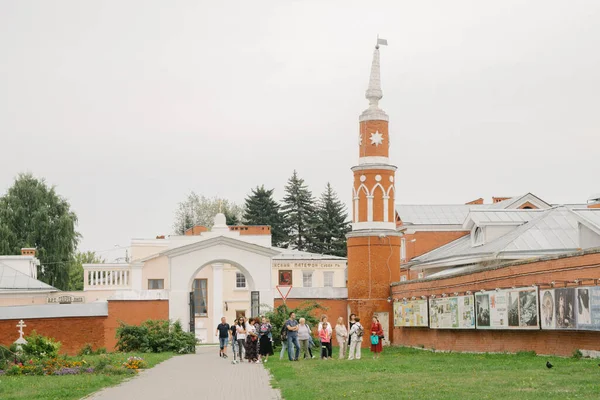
{"x": 507, "y": 309}
{"x": 411, "y": 313}
{"x": 571, "y": 308}
{"x": 457, "y": 312}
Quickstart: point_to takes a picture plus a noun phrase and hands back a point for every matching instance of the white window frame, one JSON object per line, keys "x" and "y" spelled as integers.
{"x": 326, "y": 275}
{"x": 239, "y": 274}
{"x": 308, "y": 274}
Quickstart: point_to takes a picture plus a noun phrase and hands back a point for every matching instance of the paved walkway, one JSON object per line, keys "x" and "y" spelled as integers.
{"x": 196, "y": 376}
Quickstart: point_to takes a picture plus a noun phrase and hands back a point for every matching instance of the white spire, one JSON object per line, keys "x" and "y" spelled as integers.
{"x": 374, "y": 93}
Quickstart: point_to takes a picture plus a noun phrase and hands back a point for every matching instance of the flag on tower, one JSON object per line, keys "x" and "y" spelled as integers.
{"x": 382, "y": 41}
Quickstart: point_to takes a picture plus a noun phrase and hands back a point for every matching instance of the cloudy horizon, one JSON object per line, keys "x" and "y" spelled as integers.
{"x": 128, "y": 106}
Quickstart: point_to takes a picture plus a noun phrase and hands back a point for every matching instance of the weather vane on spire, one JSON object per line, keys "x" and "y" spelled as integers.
{"x": 382, "y": 42}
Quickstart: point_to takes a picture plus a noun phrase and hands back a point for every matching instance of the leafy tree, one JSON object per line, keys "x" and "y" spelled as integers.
{"x": 34, "y": 215}
{"x": 200, "y": 210}
{"x": 76, "y": 268}
{"x": 309, "y": 310}
{"x": 299, "y": 213}
{"x": 262, "y": 209}
{"x": 332, "y": 225}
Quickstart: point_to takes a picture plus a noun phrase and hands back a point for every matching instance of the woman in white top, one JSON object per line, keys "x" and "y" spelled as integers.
{"x": 251, "y": 342}
{"x": 329, "y": 328}
{"x": 341, "y": 335}
{"x": 241, "y": 336}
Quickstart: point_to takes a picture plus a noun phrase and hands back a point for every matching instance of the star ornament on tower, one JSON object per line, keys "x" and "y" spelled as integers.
{"x": 376, "y": 138}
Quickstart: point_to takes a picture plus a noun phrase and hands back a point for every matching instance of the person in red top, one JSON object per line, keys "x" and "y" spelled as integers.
{"x": 376, "y": 330}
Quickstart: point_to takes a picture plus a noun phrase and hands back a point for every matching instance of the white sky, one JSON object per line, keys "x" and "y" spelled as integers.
{"x": 126, "y": 106}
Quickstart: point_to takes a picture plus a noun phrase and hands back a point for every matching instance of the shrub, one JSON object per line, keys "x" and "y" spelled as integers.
{"x": 132, "y": 338}
{"x": 155, "y": 336}
{"x": 39, "y": 346}
{"x": 88, "y": 350}
{"x": 577, "y": 354}
{"x": 307, "y": 310}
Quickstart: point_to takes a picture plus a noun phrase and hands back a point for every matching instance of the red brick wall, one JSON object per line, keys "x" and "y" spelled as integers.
{"x": 132, "y": 312}
{"x": 72, "y": 332}
{"x": 566, "y": 268}
{"x": 427, "y": 241}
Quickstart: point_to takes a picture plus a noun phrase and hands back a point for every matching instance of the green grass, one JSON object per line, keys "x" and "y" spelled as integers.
{"x": 69, "y": 387}
{"x": 404, "y": 373}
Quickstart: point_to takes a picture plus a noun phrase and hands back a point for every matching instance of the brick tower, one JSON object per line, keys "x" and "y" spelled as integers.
{"x": 373, "y": 243}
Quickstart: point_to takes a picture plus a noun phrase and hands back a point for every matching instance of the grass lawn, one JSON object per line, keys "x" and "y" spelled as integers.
{"x": 68, "y": 387}
{"x": 404, "y": 373}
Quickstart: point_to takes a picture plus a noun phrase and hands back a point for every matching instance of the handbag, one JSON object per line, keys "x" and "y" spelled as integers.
{"x": 374, "y": 340}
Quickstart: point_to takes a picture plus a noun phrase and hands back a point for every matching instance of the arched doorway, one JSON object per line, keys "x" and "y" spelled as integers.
{"x": 186, "y": 262}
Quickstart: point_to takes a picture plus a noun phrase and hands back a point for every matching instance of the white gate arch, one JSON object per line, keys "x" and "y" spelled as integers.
{"x": 186, "y": 261}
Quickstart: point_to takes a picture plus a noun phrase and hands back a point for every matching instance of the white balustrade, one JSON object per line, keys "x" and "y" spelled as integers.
{"x": 106, "y": 276}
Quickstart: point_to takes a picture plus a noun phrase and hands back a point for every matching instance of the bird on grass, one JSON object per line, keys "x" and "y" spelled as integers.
{"x": 549, "y": 365}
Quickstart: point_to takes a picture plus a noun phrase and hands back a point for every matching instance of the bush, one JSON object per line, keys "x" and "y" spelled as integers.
{"x": 39, "y": 346}
{"x": 132, "y": 338}
{"x": 88, "y": 350}
{"x": 155, "y": 336}
{"x": 279, "y": 315}
{"x": 577, "y": 354}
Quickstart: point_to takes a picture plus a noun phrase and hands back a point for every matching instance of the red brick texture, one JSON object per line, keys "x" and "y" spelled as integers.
{"x": 371, "y": 270}
{"x": 73, "y": 332}
{"x": 566, "y": 268}
{"x": 133, "y": 313}
{"x": 427, "y": 241}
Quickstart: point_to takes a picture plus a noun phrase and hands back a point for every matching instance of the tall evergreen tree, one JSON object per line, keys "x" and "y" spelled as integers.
{"x": 262, "y": 209}
{"x": 34, "y": 215}
{"x": 332, "y": 225}
{"x": 299, "y": 213}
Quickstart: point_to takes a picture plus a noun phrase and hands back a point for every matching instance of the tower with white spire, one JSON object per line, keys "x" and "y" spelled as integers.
{"x": 373, "y": 243}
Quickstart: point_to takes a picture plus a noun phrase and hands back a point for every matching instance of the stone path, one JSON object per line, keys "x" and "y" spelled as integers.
{"x": 196, "y": 376}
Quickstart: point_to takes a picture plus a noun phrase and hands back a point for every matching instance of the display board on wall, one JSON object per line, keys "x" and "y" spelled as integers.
{"x": 507, "y": 309}
{"x": 571, "y": 308}
{"x": 411, "y": 313}
{"x": 457, "y": 312}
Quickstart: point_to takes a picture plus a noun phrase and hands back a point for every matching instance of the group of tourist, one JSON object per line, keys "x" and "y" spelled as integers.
{"x": 252, "y": 340}
{"x": 296, "y": 336}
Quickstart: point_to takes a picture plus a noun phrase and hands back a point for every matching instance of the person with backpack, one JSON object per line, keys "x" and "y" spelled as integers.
{"x": 376, "y": 337}
{"x": 304, "y": 337}
{"x": 356, "y": 334}
{"x": 283, "y": 338}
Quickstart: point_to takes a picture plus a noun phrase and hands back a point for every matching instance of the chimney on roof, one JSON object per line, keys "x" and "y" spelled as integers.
{"x": 196, "y": 230}
{"x": 594, "y": 201}
{"x": 478, "y": 201}
{"x": 499, "y": 199}
{"x": 160, "y": 237}
{"x": 28, "y": 251}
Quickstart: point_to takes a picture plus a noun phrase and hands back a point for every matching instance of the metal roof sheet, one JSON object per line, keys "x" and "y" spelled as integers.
{"x": 11, "y": 279}
{"x": 553, "y": 229}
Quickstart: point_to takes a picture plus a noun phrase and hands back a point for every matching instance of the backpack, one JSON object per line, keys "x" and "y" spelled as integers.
{"x": 360, "y": 331}
{"x": 283, "y": 333}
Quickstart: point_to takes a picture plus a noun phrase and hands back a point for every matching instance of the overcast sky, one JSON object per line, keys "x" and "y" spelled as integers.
{"x": 126, "y": 106}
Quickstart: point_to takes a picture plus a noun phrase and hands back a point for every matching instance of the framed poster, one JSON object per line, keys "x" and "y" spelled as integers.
{"x": 575, "y": 308}
{"x": 456, "y": 312}
{"x": 507, "y": 309}
{"x": 411, "y": 313}
{"x": 285, "y": 278}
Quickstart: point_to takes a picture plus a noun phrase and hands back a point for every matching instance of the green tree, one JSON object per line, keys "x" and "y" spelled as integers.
{"x": 332, "y": 225}
{"x": 262, "y": 209}
{"x": 309, "y": 310}
{"x": 76, "y": 268}
{"x": 299, "y": 213}
{"x": 32, "y": 214}
{"x": 201, "y": 210}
